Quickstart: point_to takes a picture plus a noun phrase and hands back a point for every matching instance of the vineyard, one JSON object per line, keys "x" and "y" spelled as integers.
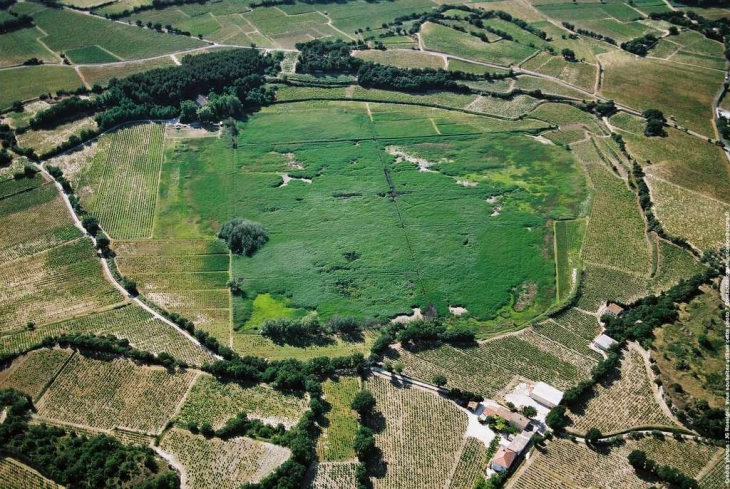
{"x": 628, "y": 401}
{"x": 15, "y": 475}
{"x": 420, "y": 437}
{"x": 219, "y": 464}
{"x": 214, "y": 401}
{"x": 112, "y": 392}
{"x": 471, "y": 464}
{"x": 33, "y": 372}
{"x": 53, "y": 285}
{"x": 336, "y": 440}
{"x": 601, "y": 284}
{"x": 568, "y": 240}
{"x": 555, "y": 332}
{"x": 488, "y": 368}
{"x": 188, "y": 277}
{"x": 129, "y": 322}
{"x": 615, "y": 236}
{"x": 332, "y": 475}
{"x": 119, "y": 187}
{"x": 33, "y": 220}
{"x": 570, "y": 464}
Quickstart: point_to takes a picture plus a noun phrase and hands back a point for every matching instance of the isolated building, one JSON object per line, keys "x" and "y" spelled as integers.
{"x": 604, "y": 342}
{"x": 503, "y": 460}
{"x": 473, "y": 406}
{"x": 546, "y": 395}
{"x": 612, "y": 308}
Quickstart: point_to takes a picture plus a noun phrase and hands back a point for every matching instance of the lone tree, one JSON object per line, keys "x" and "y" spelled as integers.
{"x": 593, "y": 435}
{"x": 529, "y": 411}
{"x": 439, "y": 380}
{"x": 556, "y": 418}
{"x": 363, "y": 402}
{"x": 243, "y": 237}
{"x": 568, "y": 54}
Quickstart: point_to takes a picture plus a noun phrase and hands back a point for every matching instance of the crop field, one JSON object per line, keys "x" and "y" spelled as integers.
{"x": 616, "y": 231}
{"x": 102, "y": 74}
{"x": 21, "y": 45}
{"x": 33, "y": 372}
{"x": 216, "y": 463}
{"x": 667, "y": 158}
{"x": 488, "y": 368}
{"x": 529, "y": 82}
{"x": 627, "y": 401}
{"x": 415, "y": 453}
{"x": 673, "y": 265}
{"x": 402, "y": 58}
{"x": 44, "y": 140}
{"x": 53, "y": 285}
{"x": 582, "y": 75}
{"x": 15, "y": 475}
{"x": 116, "y": 40}
{"x": 599, "y": 285}
{"x": 566, "y": 115}
{"x": 714, "y": 478}
{"x": 514, "y": 108}
{"x": 41, "y": 204}
{"x": 336, "y": 440}
{"x": 575, "y": 464}
{"x": 681, "y": 91}
{"x": 28, "y": 82}
{"x": 555, "y": 332}
{"x": 108, "y": 392}
{"x": 129, "y": 322}
{"x": 568, "y": 242}
{"x": 333, "y": 475}
{"x": 446, "y": 40}
{"x": 213, "y": 401}
{"x": 579, "y": 323}
{"x": 120, "y": 185}
{"x": 257, "y": 345}
{"x": 471, "y": 464}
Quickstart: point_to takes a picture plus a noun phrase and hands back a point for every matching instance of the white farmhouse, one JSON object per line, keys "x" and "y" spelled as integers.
{"x": 546, "y": 395}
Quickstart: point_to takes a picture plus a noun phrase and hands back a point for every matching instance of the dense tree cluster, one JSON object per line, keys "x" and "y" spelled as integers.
{"x": 601, "y": 109}
{"x": 645, "y": 200}
{"x": 158, "y": 93}
{"x": 640, "y": 45}
{"x": 65, "y": 110}
{"x": 6, "y": 4}
{"x": 372, "y": 75}
{"x": 320, "y": 56}
{"x": 674, "y": 477}
{"x": 585, "y": 32}
{"x": 723, "y": 126}
{"x": 639, "y": 320}
{"x": 716, "y": 29}
{"x": 654, "y": 122}
{"x": 77, "y": 461}
{"x": 243, "y": 237}
{"x": 15, "y": 22}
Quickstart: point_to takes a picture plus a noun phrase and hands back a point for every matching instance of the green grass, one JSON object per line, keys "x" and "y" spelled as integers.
{"x": 582, "y": 75}
{"x": 21, "y": 45}
{"x": 447, "y": 40}
{"x": 31, "y": 81}
{"x": 265, "y": 307}
{"x": 336, "y": 441}
{"x": 402, "y": 58}
{"x": 126, "y": 42}
{"x": 257, "y": 345}
{"x": 102, "y": 74}
{"x": 91, "y": 55}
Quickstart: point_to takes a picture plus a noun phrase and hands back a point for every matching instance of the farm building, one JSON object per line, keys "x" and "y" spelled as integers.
{"x": 503, "y": 460}
{"x": 519, "y": 444}
{"x": 201, "y": 100}
{"x": 518, "y": 421}
{"x": 604, "y": 342}
{"x": 612, "y": 308}
{"x": 494, "y": 410}
{"x": 546, "y": 394}
{"x": 473, "y": 406}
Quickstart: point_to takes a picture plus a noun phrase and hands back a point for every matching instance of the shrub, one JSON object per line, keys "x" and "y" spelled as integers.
{"x": 243, "y": 237}
{"x": 363, "y": 402}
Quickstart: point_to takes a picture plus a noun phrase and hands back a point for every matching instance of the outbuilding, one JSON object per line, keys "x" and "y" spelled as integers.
{"x": 604, "y": 342}
{"x": 613, "y": 309}
{"x": 519, "y": 444}
{"x": 546, "y": 395}
{"x": 518, "y": 421}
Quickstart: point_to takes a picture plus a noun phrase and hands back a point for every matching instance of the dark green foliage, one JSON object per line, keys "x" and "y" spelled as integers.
{"x": 674, "y": 477}
{"x": 91, "y": 224}
{"x": 585, "y": 32}
{"x": 593, "y": 435}
{"x": 654, "y": 122}
{"x": 67, "y": 109}
{"x": 15, "y": 22}
{"x": 529, "y": 411}
{"x": 373, "y": 75}
{"x": 293, "y": 331}
{"x": 723, "y": 127}
{"x": 568, "y": 54}
{"x": 640, "y": 45}
{"x": 77, "y": 461}
{"x": 556, "y": 418}
{"x": 363, "y": 403}
{"x": 601, "y": 109}
{"x": 243, "y": 237}
{"x": 320, "y": 56}
{"x": 364, "y": 444}
{"x": 439, "y": 380}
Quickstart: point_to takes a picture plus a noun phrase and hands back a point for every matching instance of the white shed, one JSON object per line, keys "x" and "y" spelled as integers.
{"x": 546, "y": 395}
{"x": 604, "y": 342}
